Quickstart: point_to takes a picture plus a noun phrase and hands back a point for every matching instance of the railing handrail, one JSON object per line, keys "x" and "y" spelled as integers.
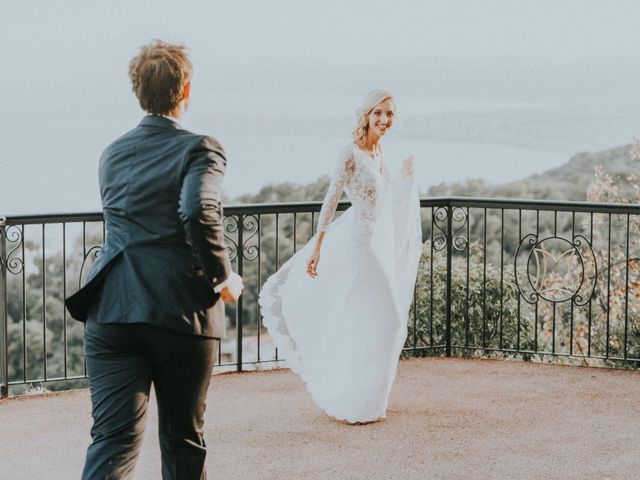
{"x": 247, "y": 225}
{"x": 531, "y": 204}
{"x": 299, "y": 207}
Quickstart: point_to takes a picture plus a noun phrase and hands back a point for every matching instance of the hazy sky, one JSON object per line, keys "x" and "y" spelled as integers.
{"x": 65, "y": 92}
{"x": 50, "y": 38}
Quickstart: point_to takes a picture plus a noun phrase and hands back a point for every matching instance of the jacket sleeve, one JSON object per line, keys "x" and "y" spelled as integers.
{"x": 201, "y": 208}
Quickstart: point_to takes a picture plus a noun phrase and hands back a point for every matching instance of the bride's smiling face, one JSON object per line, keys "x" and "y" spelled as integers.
{"x": 381, "y": 117}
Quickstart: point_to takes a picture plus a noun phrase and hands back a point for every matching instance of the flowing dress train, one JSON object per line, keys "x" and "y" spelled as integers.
{"x": 343, "y": 331}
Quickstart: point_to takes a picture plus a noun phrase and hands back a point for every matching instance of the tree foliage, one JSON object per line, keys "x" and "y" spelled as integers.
{"x": 487, "y": 311}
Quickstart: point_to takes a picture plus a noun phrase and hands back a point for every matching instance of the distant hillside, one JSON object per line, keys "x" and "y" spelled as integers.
{"x": 287, "y": 192}
{"x": 568, "y": 182}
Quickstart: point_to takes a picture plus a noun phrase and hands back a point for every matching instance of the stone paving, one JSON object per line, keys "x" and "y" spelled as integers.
{"x": 447, "y": 419}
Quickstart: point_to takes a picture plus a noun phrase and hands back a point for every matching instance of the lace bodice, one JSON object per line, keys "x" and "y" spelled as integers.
{"x": 363, "y": 178}
{"x": 365, "y": 181}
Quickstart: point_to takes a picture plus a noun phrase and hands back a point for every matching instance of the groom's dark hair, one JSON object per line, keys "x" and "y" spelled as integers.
{"x": 159, "y": 74}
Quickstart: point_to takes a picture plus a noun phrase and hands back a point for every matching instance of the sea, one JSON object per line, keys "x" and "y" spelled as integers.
{"x": 50, "y": 155}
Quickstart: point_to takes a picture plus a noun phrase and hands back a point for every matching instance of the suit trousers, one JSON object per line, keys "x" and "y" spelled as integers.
{"x": 123, "y": 360}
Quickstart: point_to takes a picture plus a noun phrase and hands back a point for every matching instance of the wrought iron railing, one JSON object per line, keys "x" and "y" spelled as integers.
{"x": 534, "y": 280}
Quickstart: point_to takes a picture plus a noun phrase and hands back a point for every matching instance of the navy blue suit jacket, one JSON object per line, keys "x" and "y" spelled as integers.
{"x": 161, "y": 189}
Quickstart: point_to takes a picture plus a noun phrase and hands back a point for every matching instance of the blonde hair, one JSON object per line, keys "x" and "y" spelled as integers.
{"x": 370, "y": 101}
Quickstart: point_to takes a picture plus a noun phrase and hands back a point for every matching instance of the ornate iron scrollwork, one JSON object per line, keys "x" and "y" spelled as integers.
{"x": 439, "y": 240}
{"x": 250, "y": 225}
{"x": 459, "y": 219}
{"x": 93, "y": 251}
{"x": 230, "y": 226}
{"x": 14, "y": 234}
{"x": 556, "y": 269}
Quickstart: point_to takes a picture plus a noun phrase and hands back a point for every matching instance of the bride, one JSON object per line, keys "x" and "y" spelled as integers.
{"x": 341, "y": 322}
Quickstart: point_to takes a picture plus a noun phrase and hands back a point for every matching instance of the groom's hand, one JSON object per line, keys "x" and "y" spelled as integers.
{"x": 232, "y": 288}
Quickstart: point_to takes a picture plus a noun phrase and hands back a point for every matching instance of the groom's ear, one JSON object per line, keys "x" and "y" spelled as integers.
{"x": 187, "y": 89}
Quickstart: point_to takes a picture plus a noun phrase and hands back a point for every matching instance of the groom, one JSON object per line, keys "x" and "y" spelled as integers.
{"x": 153, "y": 302}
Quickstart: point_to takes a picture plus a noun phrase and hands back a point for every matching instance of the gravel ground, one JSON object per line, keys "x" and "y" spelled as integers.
{"x": 447, "y": 419}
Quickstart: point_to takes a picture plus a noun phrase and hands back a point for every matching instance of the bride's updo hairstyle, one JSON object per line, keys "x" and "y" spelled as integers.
{"x": 371, "y": 100}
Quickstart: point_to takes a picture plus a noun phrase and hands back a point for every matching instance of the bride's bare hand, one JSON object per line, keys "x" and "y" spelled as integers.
{"x": 407, "y": 166}
{"x": 312, "y": 264}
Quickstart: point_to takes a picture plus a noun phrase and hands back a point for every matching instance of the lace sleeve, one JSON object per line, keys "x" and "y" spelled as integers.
{"x": 345, "y": 166}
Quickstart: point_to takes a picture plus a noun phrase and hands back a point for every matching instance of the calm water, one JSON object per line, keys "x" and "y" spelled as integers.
{"x": 295, "y": 138}
{"x": 254, "y": 164}
{"x": 451, "y": 140}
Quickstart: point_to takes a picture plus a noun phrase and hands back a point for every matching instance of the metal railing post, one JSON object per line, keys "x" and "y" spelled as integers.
{"x": 4, "y": 334}
{"x": 239, "y": 319}
{"x": 447, "y": 334}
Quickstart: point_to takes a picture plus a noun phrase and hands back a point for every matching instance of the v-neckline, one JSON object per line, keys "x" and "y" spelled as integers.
{"x": 371, "y": 159}
{"x": 365, "y": 153}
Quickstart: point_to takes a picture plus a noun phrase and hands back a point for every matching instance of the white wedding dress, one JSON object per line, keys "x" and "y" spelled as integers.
{"x": 343, "y": 331}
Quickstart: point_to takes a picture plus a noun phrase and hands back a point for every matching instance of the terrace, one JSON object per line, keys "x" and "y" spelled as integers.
{"x": 545, "y": 283}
